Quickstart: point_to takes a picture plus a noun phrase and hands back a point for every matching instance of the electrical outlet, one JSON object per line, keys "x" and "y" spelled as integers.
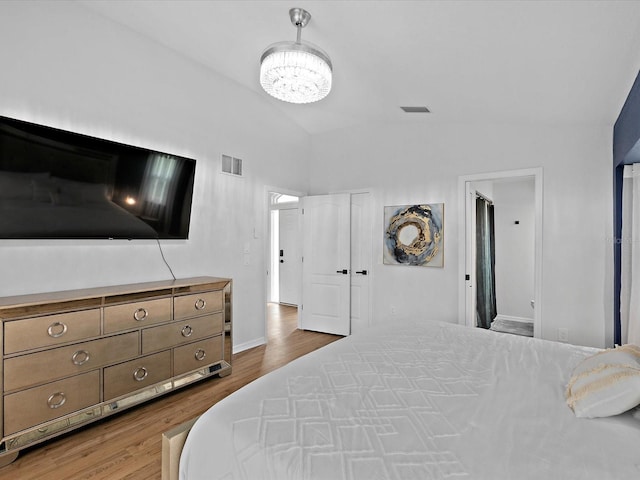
{"x": 393, "y": 309}
{"x": 563, "y": 334}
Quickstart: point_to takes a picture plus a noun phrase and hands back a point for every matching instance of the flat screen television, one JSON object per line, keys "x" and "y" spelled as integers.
{"x": 56, "y": 184}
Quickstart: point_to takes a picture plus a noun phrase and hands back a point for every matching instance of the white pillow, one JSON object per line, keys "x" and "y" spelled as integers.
{"x": 605, "y": 384}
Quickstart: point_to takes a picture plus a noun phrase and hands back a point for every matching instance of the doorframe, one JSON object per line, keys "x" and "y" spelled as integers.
{"x": 464, "y": 286}
{"x": 266, "y": 219}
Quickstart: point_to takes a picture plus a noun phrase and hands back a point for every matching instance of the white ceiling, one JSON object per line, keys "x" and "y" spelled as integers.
{"x": 467, "y": 61}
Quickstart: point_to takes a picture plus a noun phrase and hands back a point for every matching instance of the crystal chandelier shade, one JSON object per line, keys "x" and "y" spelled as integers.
{"x": 296, "y": 72}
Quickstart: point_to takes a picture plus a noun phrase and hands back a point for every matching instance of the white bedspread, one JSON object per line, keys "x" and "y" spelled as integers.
{"x": 414, "y": 401}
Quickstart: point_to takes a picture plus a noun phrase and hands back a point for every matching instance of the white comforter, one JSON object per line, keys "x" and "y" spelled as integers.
{"x": 422, "y": 400}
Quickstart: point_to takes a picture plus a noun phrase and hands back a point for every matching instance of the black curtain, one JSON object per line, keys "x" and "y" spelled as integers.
{"x": 485, "y": 264}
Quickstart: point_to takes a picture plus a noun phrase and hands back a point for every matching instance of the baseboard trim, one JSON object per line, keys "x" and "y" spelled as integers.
{"x": 250, "y": 344}
{"x": 513, "y": 319}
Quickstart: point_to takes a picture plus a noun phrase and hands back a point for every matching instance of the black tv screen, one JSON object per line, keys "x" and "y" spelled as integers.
{"x": 59, "y": 184}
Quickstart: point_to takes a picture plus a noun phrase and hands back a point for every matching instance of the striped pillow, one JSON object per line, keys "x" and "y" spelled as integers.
{"x": 605, "y": 384}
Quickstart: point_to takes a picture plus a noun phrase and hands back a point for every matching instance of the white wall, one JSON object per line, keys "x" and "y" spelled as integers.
{"x": 64, "y": 66}
{"x": 484, "y": 187}
{"x": 514, "y": 200}
{"x": 419, "y": 162}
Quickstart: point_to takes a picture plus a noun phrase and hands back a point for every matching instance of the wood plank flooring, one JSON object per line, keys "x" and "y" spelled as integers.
{"x": 128, "y": 445}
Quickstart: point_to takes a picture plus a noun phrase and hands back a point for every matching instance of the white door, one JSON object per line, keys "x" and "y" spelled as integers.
{"x": 326, "y": 262}
{"x": 360, "y": 260}
{"x": 289, "y": 256}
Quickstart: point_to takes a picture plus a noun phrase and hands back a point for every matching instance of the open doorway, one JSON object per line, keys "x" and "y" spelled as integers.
{"x": 284, "y": 249}
{"x": 283, "y": 259}
{"x": 500, "y": 259}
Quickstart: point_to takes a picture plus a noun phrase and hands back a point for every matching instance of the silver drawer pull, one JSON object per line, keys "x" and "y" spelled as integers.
{"x": 140, "y": 314}
{"x": 200, "y": 304}
{"x": 200, "y": 354}
{"x": 57, "y": 329}
{"x": 186, "y": 331}
{"x": 140, "y": 374}
{"x": 56, "y": 400}
{"x": 80, "y": 357}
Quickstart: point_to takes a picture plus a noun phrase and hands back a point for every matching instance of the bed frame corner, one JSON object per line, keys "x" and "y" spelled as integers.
{"x": 172, "y": 443}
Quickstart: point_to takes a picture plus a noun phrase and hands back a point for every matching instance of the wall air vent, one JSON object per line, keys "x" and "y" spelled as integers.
{"x": 416, "y": 109}
{"x": 232, "y": 165}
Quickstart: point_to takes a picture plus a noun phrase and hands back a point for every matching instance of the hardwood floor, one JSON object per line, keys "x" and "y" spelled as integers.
{"x": 128, "y": 445}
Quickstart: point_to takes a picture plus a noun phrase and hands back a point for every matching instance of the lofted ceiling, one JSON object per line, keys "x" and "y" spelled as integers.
{"x": 467, "y": 61}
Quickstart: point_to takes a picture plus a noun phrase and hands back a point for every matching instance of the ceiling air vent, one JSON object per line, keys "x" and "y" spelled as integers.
{"x": 232, "y": 165}
{"x": 416, "y": 109}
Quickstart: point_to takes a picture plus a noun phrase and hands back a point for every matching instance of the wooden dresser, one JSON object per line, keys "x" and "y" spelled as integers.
{"x": 72, "y": 357}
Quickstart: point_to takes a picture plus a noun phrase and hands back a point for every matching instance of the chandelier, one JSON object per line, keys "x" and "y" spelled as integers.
{"x": 296, "y": 72}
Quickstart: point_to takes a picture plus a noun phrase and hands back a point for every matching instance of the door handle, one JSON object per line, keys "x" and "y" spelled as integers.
{"x": 362, "y": 272}
{"x": 344, "y": 272}
{"x": 281, "y": 261}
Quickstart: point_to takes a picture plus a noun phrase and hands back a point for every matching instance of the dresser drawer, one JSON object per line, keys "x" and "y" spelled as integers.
{"x": 177, "y": 333}
{"x": 50, "y": 330}
{"x": 135, "y": 315}
{"x": 27, "y": 370}
{"x": 203, "y": 303}
{"x": 46, "y": 402}
{"x": 196, "y": 355}
{"x": 136, "y": 374}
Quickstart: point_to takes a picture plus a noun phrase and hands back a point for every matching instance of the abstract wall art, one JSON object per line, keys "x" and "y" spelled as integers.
{"x": 414, "y": 235}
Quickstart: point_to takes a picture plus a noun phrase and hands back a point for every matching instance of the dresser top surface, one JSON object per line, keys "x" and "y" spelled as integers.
{"x": 106, "y": 291}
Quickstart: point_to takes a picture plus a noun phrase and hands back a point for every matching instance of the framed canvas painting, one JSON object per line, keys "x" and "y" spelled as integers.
{"x": 414, "y": 235}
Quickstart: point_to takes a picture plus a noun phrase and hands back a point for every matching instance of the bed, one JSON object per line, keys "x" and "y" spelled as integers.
{"x": 421, "y": 400}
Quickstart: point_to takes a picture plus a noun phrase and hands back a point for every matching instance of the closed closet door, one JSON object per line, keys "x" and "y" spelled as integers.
{"x": 361, "y": 246}
{"x": 337, "y": 263}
